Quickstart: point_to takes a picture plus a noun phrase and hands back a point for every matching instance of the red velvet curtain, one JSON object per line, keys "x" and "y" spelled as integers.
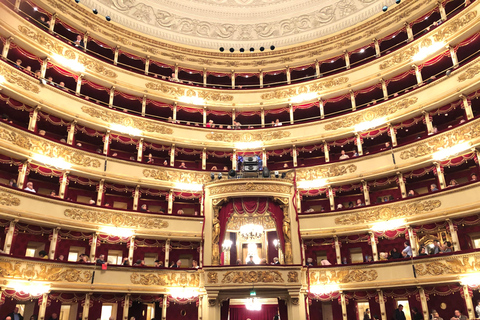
{"x": 241, "y": 313}
{"x": 282, "y": 309}
{"x": 191, "y": 309}
{"x": 315, "y": 310}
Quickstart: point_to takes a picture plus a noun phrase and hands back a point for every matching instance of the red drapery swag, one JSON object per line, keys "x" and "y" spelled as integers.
{"x": 251, "y": 206}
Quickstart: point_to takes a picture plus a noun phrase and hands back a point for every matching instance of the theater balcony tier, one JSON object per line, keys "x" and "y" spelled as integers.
{"x": 43, "y": 46}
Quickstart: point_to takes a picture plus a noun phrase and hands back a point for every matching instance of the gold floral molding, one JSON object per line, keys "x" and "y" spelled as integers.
{"x": 314, "y": 87}
{"x": 237, "y": 220}
{"x": 250, "y": 187}
{"x": 460, "y": 265}
{"x": 445, "y": 140}
{"x": 174, "y": 279}
{"x": 325, "y": 172}
{"x": 176, "y": 176}
{"x": 128, "y": 121}
{"x": 342, "y": 276}
{"x": 212, "y": 277}
{"x": 470, "y": 73}
{"x": 178, "y": 91}
{"x": 387, "y": 212}
{"x": 253, "y": 277}
{"x": 371, "y": 113}
{"x": 292, "y": 276}
{"x": 118, "y": 219}
{"x": 248, "y": 136}
{"x": 8, "y": 200}
{"x": 49, "y": 149}
{"x": 19, "y": 78}
{"x": 96, "y": 67}
{"x": 44, "y": 272}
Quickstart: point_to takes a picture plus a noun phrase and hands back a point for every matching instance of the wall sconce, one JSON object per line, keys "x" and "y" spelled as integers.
{"x": 276, "y": 244}
{"x": 226, "y": 245}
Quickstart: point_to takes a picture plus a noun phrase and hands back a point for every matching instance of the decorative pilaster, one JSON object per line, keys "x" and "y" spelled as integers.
{"x": 413, "y": 240}
{"x": 93, "y": 252}
{"x": 352, "y": 100}
{"x": 140, "y": 150}
{"x": 453, "y": 55}
{"x": 423, "y": 301}
{"x": 205, "y": 75}
{"x": 262, "y": 117}
{"x": 264, "y": 158}
{"x": 144, "y": 105}
{"x": 358, "y": 142}
{"x": 43, "y": 67}
{"x": 71, "y": 133}
{"x": 204, "y": 159}
{"x": 441, "y": 9}
{"x": 260, "y": 77}
{"x": 200, "y": 262}
{"x": 176, "y": 71}
{"x": 78, "y": 88}
{"x": 174, "y": 115}
{"x": 126, "y": 306}
{"x": 147, "y": 65}
{"x": 373, "y": 244}
{"x": 53, "y": 243}
{"x": 287, "y": 236}
{"x": 115, "y": 56}
{"x": 338, "y": 254}
{"x": 170, "y": 202}
{"x": 232, "y": 76}
{"x": 393, "y": 135}
{"x": 428, "y": 122}
{"x": 347, "y": 58}
{"x": 408, "y": 27}
{"x": 204, "y": 115}
{"x": 326, "y": 151}
{"x": 100, "y": 190}
{"x": 86, "y": 306}
{"x": 216, "y": 236}
{"x": 164, "y": 307}
{"x": 131, "y": 249}
{"x": 167, "y": 253}
{"x": 22, "y": 174}
{"x": 9, "y": 237}
{"x": 43, "y": 307}
{"x": 85, "y": 40}
{"x": 234, "y": 159}
{"x": 468, "y": 302}
{"x": 418, "y": 74}
{"x": 384, "y": 89}
{"x": 136, "y": 197}
{"x": 112, "y": 95}
{"x": 401, "y": 185}
{"x": 295, "y": 156}
{"x": 52, "y": 22}
{"x": 321, "y": 107}
{"x": 32, "y": 124}
{"x": 343, "y": 301}
{"x": 366, "y": 192}
{"x": 453, "y": 232}
{"x": 440, "y": 175}
{"x": 377, "y": 48}
{"x": 8, "y": 41}
{"x": 233, "y": 118}
{"x": 296, "y": 308}
{"x": 172, "y": 155}
{"x": 290, "y": 107}
{"x": 317, "y": 69}
{"x": 467, "y": 106}
{"x": 17, "y": 5}
{"x": 289, "y": 75}
{"x": 106, "y": 143}
{"x": 381, "y": 302}
{"x": 62, "y": 191}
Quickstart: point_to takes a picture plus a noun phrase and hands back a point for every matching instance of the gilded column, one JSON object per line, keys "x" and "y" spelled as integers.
{"x": 321, "y": 106}
{"x": 454, "y": 234}
{"x": 147, "y": 65}
{"x": 401, "y": 185}
{"x": 317, "y": 69}
{"x": 352, "y": 100}
{"x": 43, "y": 68}
{"x": 86, "y": 306}
{"x": 126, "y": 306}
{"x": 260, "y": 76}
{"x": 232, "y": 75}
{"x": 418, "y": 74}
{"x": 170, "y": 202}
{"x": 93, "y": 251}
{"x": 200, "y": 262}
{"x": 63, "y": 185}
{"x": 85, "y": 40}
{"x": 326, "y": 151}
{"x": 204, "y": 115}
{"x": 413, "y": 240}
{"x": 347, "y": 58}
{"x": 440, "y": 175}
{"x": 17, "y": 5}
{"x": 384, "y": 89}
{"x": 299, "y": 201}
{"x": 32, "y": 123}
{"x": 366, "y": 192}
{"x": 381, "y": 302}
{"x": 140, "y": 150}
{"x": 468, "y": 302}
{"x": 106, "y": 143}
{"x": 377, "y": 48}
{"x": 331, "y": 198}
{"x": 112, "y": 95}
{"x": 233, "y": 118}
{"x": 423, "y": 301}
{"x": 115, "y": 56}
{"x": 136, "y": 197}
{"x": 144, "y": 105}
{"x": 264, "y": 158}
{"x": 200, "y": 306}
{"x": 205, "y": 74}
{"x": 226, "y": 251}
{"x": 467, "y": 106}
{"x": 52, "y": 22}
{"x": 408, "y": 27}
{"x": 78, "y": 88}
{"x": 164, "y": 307}
{"x": 441, "y": 9}
{"x": 6, "y": 46}
{"x": 289, "y": 76}
{"x": 453, "y": 55}
{"x": 43, "y": 307}
{"x": 338, "y": 254}
{"x": 131, "y": 249}
{"x": 204, "y": 159}
{"x": 176, "y": 71}
{"x": 174, "y": 116}
{"x": 7, "y": 247}
{"x": 295, "y": 156}
{"x": 393, "y": 135}
{"x": 358, "y": 142}
{"x": 100, "y": 191}
{"x": 71, "y": 133}
{"x": 216, "y": 236}
{"x": 343, "y": 300}
{"x": 22, "y": 174}
{"x": 172, "y": 155}
{"x": 262, "y": 117}
{"x": 234, "y": 159}
{"x": 167, "y": 253}
{"x": 373, "y": 243}
{"x": 428, "y": 122}
{"x": 53, "y": 243}
{"x": 292, "y": 119}
{"x": 287, "y": 236}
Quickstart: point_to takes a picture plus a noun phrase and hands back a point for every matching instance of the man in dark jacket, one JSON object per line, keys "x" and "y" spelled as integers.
{"x": 15, "y": 315}
{"x": 399, "y": 314}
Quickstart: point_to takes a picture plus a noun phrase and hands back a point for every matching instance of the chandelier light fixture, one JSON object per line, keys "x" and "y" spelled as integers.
{"x": 276, "y": 244}
{"x": 226, "y": 245}
{"x": 31, "y": 287}
{"x": 183, "y": 292}
{"x": 253, "y": 304}
{"x": 251, "y": 231}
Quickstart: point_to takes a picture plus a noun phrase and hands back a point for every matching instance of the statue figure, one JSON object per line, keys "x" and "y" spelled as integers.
{"x": 216, "y": 230}
{"x": 286, "y": 227}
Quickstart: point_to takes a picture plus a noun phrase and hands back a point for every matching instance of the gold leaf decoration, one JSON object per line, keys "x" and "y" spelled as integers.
{"x": 253, "y": 277}
{"x": 250, "y": 187}
{"x": 166, "y": 89}
{"x": 451, "y": 266}
{"x": 292, "y": 276}
{"x": 470, "y": 73}
{"x": 342, "y": 276}
{"x": 177, "y": 279}
{"x": 96, "y": 67}
{"x": 18, "y": 78}
{"x": 237, "y": 220}
{"x": 44, "y": 272}
{"x": 248, "y": 136}
{"x": 371, "y": 113}
{"x": 47, "y": 148}
{"x": 387, "y": 212}
{"x": 212, "y": 277}
{"x": 176, "y": 176}
{"x": 314, "y": 87}
{"x": 42, "y": 38}
{"x": 444, "y": 140}
{"x": 453, "y": 26}
{"x": 118, "y": 219}
{"x": 335, "y": 170}
{"x": 125, "y": 120}
{"x": 8, "y": 200}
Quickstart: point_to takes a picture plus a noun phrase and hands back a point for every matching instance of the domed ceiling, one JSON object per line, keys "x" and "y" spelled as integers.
{"x": 212, "y": 24}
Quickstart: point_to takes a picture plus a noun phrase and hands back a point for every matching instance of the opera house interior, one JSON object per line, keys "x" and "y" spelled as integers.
{"x": 239, "y": 159}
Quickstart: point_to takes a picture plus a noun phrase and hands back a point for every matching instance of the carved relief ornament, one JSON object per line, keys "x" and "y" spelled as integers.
{"x": 43, "y": 272}
{"x": 253, "y": 277}
{"x": 176, "y": 176}
{"x": 325, "y": 172}
{"x": 311, "y": 88}
{"x": 470, "y": 73}
{"x": 18, "y": 78}
{"x": 237, "y": 220}
{"x": 8, "y": 200}
{"x": 248, "y": 136}
{"x": 175, "y": 279}
{"x": 118, "y": 219}
{"x": 387, "y": 212}
{"x": 461, "y": 265}
{"x": 177, "y": 91}
{"x": 250, "y": 187}
{"x": 342, "y": 276}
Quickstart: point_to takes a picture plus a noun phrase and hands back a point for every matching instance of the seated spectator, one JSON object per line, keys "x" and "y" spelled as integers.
{"x": 368, "y": 258}
{"x": 79, "y": 42}
{"x": 437, "y": 248}
{"x": 177, "y": 265}
{"x": 448, "y": 247}
{"x": 126, "y": 262}
{"x": 61, "y": 257}
{"x": 339, "y": 206}
{"x": 225, "y": 168}
{"x": 50, "y": 80}
{"x": 158, "y": 264}
{"x": 214, "y": 168}
{"x": 144, "y": 208}
{"x": 6, "y": 118}
{"x": 165, "y": 163}
{"x": 453, "y": 183}
{"x": 275, "y": 261}
{"x": 18, "y": 64}
{"x": 458, "y": 316}
{"x": 423, "y": 251}
{"x": 263, "y": 261}
{"x": 101, "y": 259}
{"x": 92, "y": 202}
{"x": 107, "y": 204}
{"x": 473, "y": 177}
{"x": 343, "y": 155}
{"x": 325, "y": 262}
{"x": 278, "y": 123}
{"x": 309, "y": 262}
{"x": 273, "y": 124}
{"x": 411, "y": 193}
{"x": 38, "y": 74}
{"x": 238, "y": 262}
{"x": 180, "y": 212}
{"x": 195, "y": 264}
{"x": 182, "y": 165}
{"x": 42, "y": 133}
{"x": 43, "y": 254}
{"x": 385, "y": 199}
{"x": 53, "y": 194}
{"x": 209, "y": 124}
{"x": 394, "y": 254}
{"x": 13, "y": 183}
{"x": 309, "y": 210}
{"x": 383, "y": 256}
{"x": 61, "y": 85}
{"x": 28, "y": 70}
{"x": 139, "y": 263}
{"x": 351, "y": 205}
{"x": 433, "y": 187}
{"x": 150, "y": 159}
{"x": 386, "y": 147}
{"x": 29, "y": 187}
{"x": 407, "y": 250}
{"x": 435, "y": 316}
{"x": 344, "y": 260}
{"x": 44, "y": 21}
{"x": 285, "y": 165}
{"x": 355, "y": 153}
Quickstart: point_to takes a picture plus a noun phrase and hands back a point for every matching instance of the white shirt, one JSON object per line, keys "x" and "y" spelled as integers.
{"x": 31, "y": 190}
{"x": 477, "y": 310}
{"x": 344, "y": 156}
